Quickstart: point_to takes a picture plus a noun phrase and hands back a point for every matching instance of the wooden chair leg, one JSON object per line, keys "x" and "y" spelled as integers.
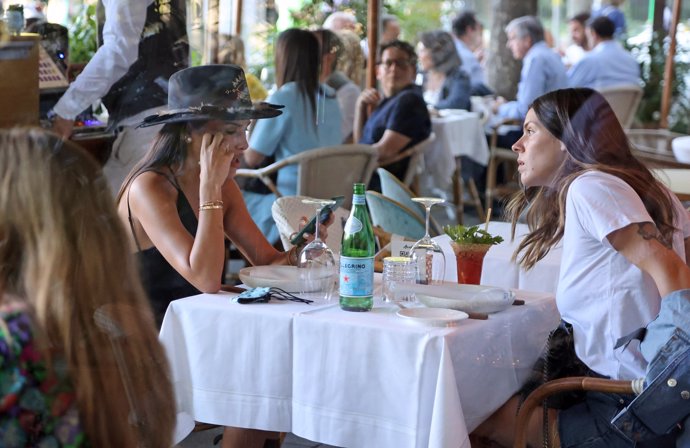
{"x": 490, "y": 182}
{"x": 458, "y": 198}
{"x": 474, "y": 193}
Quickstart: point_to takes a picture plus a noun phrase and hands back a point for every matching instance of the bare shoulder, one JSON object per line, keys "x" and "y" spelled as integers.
{"x": 151, "y": 187}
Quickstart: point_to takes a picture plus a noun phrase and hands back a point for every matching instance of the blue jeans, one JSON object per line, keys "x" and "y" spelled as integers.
{"x": 650, "y": 419}
{"x": 665, "y": 400}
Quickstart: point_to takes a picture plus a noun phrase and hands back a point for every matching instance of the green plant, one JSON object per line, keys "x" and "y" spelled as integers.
{"x": 652, "y": 59}
{"x": 471, "y": 235}
{"x": 83, "y": 35}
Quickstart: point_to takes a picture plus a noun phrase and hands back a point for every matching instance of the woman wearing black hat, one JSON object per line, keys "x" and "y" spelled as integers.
{"x": 181, "y": 201}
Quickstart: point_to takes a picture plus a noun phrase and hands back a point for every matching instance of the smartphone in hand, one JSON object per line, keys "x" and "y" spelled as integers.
{"x": 310, "y": 228}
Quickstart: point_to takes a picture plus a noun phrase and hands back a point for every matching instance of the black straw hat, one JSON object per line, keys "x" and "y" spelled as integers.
{"x": 210, "y": 92}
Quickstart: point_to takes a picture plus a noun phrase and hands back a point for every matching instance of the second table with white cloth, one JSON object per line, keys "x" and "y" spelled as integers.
{"x": 349, "y": 379}
{"x": 458, "y": 133}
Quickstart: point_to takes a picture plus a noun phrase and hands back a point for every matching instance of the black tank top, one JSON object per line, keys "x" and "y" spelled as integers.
{"x": 162, "y": 282}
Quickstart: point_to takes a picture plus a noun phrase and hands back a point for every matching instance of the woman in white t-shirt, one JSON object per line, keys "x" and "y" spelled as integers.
{"x": 625, "y": 245}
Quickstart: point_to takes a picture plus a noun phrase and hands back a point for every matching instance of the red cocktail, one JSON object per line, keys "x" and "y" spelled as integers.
{"x": 470, "y": 259}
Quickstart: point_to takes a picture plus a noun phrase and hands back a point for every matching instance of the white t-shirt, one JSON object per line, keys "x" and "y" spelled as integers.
{"x": 600, "y": 292}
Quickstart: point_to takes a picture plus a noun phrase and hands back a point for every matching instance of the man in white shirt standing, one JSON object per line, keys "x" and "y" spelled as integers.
{"x": 467, "y": 34}
{"x": 608, "y": 64}
{"x": 143, "y": 42}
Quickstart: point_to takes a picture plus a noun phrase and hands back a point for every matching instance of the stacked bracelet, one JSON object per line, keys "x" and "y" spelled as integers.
{"x": 212, "y": 205}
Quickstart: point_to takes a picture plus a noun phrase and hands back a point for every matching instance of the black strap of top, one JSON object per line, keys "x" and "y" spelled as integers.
{"x": 174, "y": 183}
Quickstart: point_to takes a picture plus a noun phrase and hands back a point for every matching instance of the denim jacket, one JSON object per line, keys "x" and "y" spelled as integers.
{"x": 665, "y": 400}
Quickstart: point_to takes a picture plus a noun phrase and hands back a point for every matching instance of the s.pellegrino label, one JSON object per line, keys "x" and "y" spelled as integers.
{"x": 357, "y": 257}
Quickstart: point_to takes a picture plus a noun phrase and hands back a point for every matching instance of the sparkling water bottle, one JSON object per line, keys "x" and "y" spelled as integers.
{"x": 357, "y": 257}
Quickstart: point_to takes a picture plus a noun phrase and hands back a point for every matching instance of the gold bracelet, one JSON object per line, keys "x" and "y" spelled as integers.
{"x": 210, "y": 207}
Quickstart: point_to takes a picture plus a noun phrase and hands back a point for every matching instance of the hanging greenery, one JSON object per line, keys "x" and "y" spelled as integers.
{"x": 652, "y": 59}
{"x": 83, "y": 35}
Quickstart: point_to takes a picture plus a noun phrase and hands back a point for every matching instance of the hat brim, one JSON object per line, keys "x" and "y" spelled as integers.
{"x": 259, "y": 111}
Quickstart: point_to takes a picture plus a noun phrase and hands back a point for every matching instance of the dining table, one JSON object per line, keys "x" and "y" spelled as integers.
{"x": 676, "y": 179}
{"x": 499, "y": 268}
{"x": 350, "y": 379}
{"x": 458, "y": 133}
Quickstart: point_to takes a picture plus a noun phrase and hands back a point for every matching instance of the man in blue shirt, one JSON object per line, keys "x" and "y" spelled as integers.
{"x": 612, "y": 11}
{"x": 399, "y": 119}
{"x": 542, "y": 72}
{"x": 466, "y": 34}
{"x": 608, "y": 64}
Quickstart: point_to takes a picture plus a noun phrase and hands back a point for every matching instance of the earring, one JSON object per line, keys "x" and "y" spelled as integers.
{"x": 188, "y": 139}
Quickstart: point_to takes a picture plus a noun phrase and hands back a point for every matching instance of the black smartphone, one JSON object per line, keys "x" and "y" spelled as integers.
{"x": 311, "y": 225}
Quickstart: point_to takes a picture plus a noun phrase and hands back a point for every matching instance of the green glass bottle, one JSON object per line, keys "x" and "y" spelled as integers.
{"x": 357, "y": 257}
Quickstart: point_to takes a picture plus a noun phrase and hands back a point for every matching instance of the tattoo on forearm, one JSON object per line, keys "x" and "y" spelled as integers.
{"x": 648, "y": 231}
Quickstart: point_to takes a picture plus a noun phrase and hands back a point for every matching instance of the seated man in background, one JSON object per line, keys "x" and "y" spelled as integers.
{"x": 608, "y": 64}
{"x": 399, "y": 119}
{"x": 542, "y": 71}
{"x": 467, "y": 33}
{"x": 579, "y": 44}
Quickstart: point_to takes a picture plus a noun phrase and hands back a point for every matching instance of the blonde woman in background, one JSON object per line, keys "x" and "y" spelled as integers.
{"x": 80, "y": 362}
{"x": 232, "y": 52}
{"x": 351, "y": 58}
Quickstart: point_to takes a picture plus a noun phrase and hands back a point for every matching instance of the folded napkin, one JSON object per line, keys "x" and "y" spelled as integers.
{"x": 468, "y": 298}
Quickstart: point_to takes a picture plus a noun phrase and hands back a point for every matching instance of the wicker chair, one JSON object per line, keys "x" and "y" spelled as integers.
{"x": 323, "y": 172}
{"x": 415, "y": 165}
{"x": 624, "y": 101}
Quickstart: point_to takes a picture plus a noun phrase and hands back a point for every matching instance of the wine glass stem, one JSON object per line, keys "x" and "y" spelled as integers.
{"x": 318, "y": 214}
{"x": 428, "y": 213}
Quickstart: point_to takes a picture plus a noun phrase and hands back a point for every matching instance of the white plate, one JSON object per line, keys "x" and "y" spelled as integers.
{"x": 435, "y": 317}
{"x": 450, "y": 112}
{"x": 468, "y": 298}
{"x": 278, "y": 276}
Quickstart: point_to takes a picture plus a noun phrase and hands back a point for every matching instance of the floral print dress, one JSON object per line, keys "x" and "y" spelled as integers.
{"x": 37, "y": 407}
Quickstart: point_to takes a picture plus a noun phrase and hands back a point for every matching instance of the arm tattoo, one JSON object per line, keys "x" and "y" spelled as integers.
{"x": 648, "y": 231}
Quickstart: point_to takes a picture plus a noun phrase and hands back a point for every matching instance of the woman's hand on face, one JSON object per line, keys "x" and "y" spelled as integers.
{"x": 215, "y": 158}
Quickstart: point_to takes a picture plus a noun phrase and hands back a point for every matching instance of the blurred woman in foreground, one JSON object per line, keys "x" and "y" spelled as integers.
{"x": 80, "y": 362}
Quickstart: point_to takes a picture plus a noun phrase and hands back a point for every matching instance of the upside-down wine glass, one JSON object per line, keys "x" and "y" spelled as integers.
{"x": 316, "y": 261}
{"x": 426, "y": 253}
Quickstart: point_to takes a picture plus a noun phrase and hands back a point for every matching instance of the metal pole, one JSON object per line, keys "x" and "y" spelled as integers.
{"x": 373, "y": 40}
{"x": 238, "y": 17}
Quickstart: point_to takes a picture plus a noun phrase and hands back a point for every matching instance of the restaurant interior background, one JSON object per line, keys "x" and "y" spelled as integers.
{"x": 262, "y": 20}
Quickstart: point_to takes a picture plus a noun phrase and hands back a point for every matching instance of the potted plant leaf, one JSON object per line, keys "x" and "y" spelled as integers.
{"x": 470, "y": 245}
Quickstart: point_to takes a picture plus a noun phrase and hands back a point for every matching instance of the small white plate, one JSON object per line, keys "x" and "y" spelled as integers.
{"x": 274, "y": 276}
{"x": 435, "y": 317}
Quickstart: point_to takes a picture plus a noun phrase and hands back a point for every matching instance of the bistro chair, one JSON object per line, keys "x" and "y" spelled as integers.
{"x": 624, "y": 101}
{"x": 287, "y": 212}
{"x": 416, "y": 163}
{"x": 500, "y": 158}
{"x": 394, "y": 217}
{"x": 323, "y": 172}
{"x": 393, "y": 188}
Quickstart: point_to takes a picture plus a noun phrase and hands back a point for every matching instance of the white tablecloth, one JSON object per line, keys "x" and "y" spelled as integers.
{"x": 458, "y": 134}
{"x": 349, "y": 379}
{"x": 500, "y": 270}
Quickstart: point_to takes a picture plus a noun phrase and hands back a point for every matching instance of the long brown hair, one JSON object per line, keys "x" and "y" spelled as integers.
{"x": 62, "y": 255}
{"x": 595, "y": 141}
{"x": 297, "y": 59}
